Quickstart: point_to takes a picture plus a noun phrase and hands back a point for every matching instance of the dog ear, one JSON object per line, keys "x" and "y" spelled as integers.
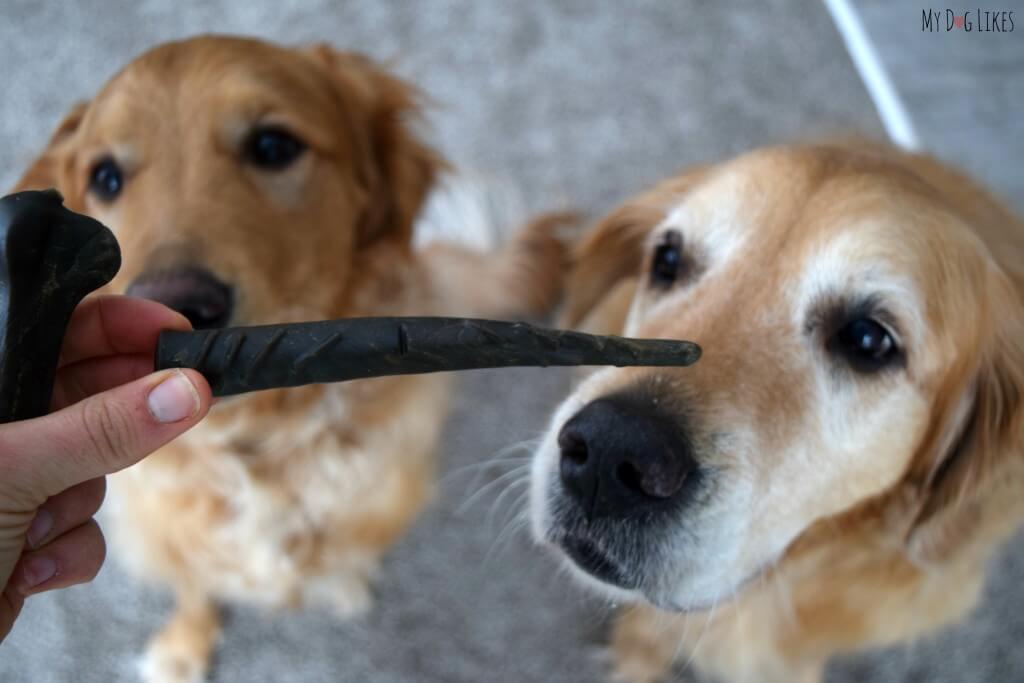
{"x": 983, "y": 466}
{"x": 396, "y": 166}
{"x": 47, "y": 171}
{"x": 609, "y": 256}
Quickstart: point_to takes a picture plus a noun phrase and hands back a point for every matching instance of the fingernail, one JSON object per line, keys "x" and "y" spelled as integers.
{"x": 41, "y": 525}
{"x": 174, "y": 399}
{"x": 37, "y": 570}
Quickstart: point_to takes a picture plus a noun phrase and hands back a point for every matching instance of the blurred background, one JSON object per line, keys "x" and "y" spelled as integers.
{"x": 569, "y": 104}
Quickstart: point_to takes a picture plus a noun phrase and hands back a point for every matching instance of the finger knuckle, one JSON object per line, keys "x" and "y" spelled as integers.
{"x": 108, "y": 430}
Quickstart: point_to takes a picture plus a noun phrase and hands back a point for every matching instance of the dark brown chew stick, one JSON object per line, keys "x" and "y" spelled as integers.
{"x": 241, "y": 359}
{"x": 50, "y": 258}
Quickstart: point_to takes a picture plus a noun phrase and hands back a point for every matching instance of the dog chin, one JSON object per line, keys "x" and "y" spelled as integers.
{"x": 621, "y": 586}
{"x": 610, "y": 592}
{"x": 693, "y": 603}
{"x": 616, "y": 594}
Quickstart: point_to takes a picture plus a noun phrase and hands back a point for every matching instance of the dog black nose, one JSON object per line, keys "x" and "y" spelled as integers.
{"x": 195, "y": 293}
{"x": 621, "y": 458}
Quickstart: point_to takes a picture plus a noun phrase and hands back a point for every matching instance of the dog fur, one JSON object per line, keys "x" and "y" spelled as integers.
{"x": 282, "y": 498}
{"x": 843, "y": 510}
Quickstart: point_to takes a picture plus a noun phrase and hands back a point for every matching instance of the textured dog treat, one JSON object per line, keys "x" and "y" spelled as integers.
{"x": 50, "y": 258}
{"x": 241, "y": 359}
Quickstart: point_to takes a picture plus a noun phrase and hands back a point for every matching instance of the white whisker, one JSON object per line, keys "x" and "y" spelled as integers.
{"x": 489, "y": 486}
{"x": 496, "y": 506}
{"x": 703, "y": 632}
{"x": 520, "y": 452}
{"x": 516, "y": 523}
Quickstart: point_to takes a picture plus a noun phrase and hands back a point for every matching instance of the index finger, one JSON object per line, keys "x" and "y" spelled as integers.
{"x": 107, "y": 325}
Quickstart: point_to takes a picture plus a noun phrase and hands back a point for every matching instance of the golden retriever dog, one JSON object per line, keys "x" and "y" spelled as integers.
{"x": 837, "y": 468}
{"x": 249, "y": 183}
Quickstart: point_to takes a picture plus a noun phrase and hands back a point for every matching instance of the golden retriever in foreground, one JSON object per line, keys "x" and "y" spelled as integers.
{"x": 247, "y": 184}
{"x": 838, "y": 467}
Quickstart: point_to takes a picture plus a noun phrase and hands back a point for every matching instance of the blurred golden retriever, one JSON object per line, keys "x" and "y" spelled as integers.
{"x": 836, "y": 470}
{"x": 249, "y": 183}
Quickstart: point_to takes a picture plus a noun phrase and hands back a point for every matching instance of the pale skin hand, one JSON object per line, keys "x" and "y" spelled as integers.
{"x": 109, "y": 411}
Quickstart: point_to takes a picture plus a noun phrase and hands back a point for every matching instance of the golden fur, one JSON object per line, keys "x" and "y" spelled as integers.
{"x": 283, "y": 498}
{"x": 870, "y": 504}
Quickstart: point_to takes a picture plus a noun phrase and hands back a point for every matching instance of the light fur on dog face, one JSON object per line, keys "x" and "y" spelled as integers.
{"x": 782, "y": 248}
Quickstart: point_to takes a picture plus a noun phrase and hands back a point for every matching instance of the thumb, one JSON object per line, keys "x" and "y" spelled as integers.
{"x": 99, "y": 435}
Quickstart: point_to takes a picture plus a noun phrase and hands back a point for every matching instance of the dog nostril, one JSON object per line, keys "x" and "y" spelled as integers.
{"x": 630, "y": 477}
{"x": 656, "y": 480}
{"x": 618, "y": 459}
{"x": 205, "y": 317}
{"x": 197, "y": 294}
{"x": 573, "y": 447}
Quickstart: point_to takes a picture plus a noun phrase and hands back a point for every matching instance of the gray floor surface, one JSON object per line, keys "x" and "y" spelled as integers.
{"x": 577, "y": 104}
{"x": 963, "y": 90}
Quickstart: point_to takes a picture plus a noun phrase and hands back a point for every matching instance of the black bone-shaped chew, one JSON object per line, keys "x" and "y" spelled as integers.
{"x": 241, "y": 359}
{"x": 50, "y": 258}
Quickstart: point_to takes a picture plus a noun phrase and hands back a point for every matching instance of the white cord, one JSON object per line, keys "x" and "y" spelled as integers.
{"x": 887, "y": 101}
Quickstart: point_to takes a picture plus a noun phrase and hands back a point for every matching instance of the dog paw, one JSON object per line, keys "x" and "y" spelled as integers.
{"x": 636, "y": 670}
{"x": 346, "y": 594}
{"x": 167, "y": 665}
{"x": 350, "y": 599}
{"x": 180, "y": 653}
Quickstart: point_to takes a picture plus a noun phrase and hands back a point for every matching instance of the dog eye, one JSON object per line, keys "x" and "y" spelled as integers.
{"x": 106, "y": 179}
{"x": 272, "y": 148}
{"x": 668, "y": 259}
{"x": 865, "y": 344}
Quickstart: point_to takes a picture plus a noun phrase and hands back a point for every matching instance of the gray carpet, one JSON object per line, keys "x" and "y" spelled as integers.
{"x": 577, "y": 105}
{"x": 963, "y": 89}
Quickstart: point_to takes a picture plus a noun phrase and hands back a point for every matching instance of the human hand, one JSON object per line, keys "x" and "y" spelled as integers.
{"x": 109, "y": 410}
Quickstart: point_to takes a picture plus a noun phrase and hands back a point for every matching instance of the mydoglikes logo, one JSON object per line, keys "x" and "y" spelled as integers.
{"x": 982, "y": 21}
